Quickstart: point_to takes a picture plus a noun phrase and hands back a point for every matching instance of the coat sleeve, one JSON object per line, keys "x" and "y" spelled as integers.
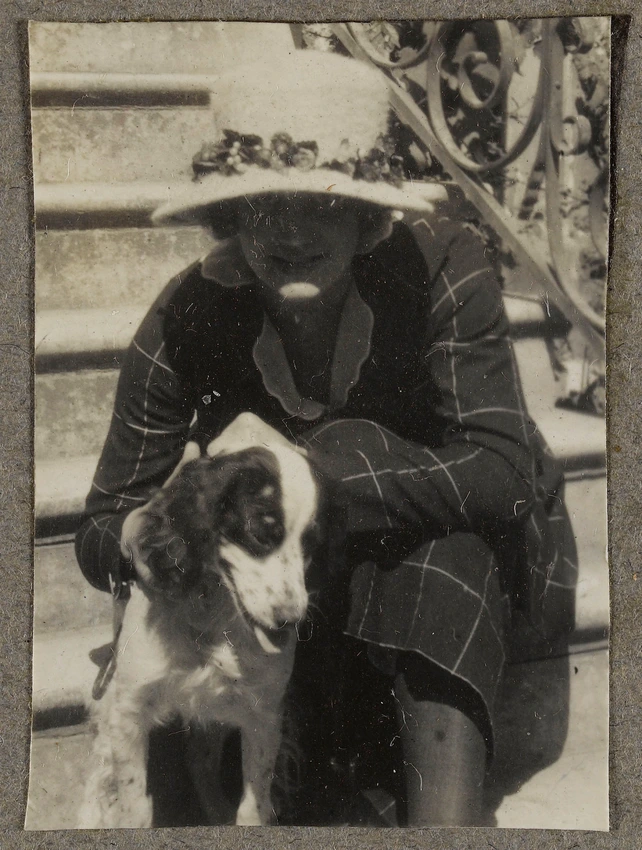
{"x": 481, "y": 475}
{"x": 148, "y": 432}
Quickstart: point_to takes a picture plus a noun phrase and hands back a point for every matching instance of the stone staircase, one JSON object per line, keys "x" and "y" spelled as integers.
{"x": 99, "y": 264}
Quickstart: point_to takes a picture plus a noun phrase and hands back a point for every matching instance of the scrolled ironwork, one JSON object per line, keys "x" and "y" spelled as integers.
{"x": 363, "y": 35}
{"x": 475, "y": 59}
{"x": 578, "y": 34}
{"x": 469, "y": 70}
{"x": 572, "y": 135}
{"x": 553, "y": 151}
{"x": 463, "y": 69}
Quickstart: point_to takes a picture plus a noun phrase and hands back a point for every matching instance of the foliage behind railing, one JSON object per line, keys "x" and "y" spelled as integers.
{"x": 516, "y": 114}
{"x": 454, "y": 83}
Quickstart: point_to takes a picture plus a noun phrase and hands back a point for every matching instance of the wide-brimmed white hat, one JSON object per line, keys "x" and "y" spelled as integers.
{"x": 306, "y": 123}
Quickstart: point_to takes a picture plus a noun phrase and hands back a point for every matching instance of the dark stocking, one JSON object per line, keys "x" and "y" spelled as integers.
{"x": 444, "y": 751}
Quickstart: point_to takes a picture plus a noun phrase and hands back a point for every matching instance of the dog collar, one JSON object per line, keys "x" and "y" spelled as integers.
{"x": 120, "y": 589}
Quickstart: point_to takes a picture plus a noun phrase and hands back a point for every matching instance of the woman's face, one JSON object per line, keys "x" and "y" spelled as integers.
{"x": 300, "y": 247}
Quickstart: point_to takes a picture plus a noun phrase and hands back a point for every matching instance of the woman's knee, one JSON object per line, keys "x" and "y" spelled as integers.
{"x": 425, "y": 681}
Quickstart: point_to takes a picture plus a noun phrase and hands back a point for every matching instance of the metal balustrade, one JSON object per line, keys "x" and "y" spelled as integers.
{"x": 549, "y": 272}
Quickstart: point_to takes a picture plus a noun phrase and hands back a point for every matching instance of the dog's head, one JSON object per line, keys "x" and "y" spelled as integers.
{"x": 247, "y": 521}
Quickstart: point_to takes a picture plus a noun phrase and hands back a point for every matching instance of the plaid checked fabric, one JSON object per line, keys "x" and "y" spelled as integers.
{"x": 446, "y": 491}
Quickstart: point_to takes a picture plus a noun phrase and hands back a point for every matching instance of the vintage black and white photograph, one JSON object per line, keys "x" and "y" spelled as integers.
{"x": 320, "y": 532}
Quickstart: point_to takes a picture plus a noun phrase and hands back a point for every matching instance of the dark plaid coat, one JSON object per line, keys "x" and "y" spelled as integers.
{"x": 451, "y": 502}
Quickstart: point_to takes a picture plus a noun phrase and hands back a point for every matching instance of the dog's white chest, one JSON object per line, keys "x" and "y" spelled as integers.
{"x": 202, "y": 678}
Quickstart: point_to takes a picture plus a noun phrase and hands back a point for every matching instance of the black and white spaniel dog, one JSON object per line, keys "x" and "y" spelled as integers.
{"x": 209, "y": 633}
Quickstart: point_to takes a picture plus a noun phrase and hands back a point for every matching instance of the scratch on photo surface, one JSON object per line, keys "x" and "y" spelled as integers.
{"x": 122, "y": 651}
{"x": 404, "y": 722}
{"x": 421, "y": 779}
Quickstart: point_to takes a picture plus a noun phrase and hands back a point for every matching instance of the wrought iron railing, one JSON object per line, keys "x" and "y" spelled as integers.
{"x": 450, "y": 83}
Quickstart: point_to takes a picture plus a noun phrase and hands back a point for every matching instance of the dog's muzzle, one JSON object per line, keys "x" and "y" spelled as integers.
{"x": 270, "y": 592}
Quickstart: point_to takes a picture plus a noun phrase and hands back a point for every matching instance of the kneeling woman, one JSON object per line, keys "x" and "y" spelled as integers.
{"x": 379, "y": 344}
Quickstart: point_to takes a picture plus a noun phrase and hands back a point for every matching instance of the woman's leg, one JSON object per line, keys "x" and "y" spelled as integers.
{"x": 444, "y": 752}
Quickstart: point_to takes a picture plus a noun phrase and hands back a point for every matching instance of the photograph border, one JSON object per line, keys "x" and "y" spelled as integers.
{"x": 624, "y": 385}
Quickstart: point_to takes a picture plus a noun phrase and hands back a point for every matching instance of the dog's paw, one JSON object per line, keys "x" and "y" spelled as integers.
{"x": 103, "y": 811}
{"x": 248, "y": 813}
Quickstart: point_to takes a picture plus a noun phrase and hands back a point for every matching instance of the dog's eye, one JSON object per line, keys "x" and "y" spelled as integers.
{"x": 253, "y": 515}
{"x": 256, "y": 530}
{"x": 266, "y": 529}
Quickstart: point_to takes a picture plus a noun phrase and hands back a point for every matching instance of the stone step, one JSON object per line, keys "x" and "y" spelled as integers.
{"x": 71, "y": 340}
{"x": 73, "y": 206}
{"x": 194, "y": 47}
{"x": 63, "y": 672}
{"x": 87, "y": 90}
{"x": 570, "y": 434}
{"x": 76, "y": 206}
{"x": 117, "y": 145}
{"x": 61, "y": 487}
{"x": 586, "y": 503}
{"x": 577, "y": 439}
{"x": 64, "y": 601}
{"x": 536, "y": 374}
{"x": 550, "y": 769}
{"x": 72, "y": 414}
{"x": 64, "y": 669}
{"x": 73, "y": 411}
{"x": 80, "y": 269}
{"x": 61, "y": 483}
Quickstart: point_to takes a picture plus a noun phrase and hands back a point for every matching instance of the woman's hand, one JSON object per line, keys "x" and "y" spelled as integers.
{"x": 130, "y": 533}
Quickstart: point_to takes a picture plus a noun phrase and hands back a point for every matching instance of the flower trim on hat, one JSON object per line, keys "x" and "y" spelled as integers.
{"x": 237, "y": 152}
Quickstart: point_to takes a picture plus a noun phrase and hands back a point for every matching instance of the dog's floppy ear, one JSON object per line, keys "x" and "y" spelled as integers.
{"x": 159, "y": 552}
{"x": 178, "y": 532}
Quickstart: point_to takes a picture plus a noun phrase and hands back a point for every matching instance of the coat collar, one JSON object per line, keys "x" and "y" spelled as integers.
{"x": 227, "y": 266}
